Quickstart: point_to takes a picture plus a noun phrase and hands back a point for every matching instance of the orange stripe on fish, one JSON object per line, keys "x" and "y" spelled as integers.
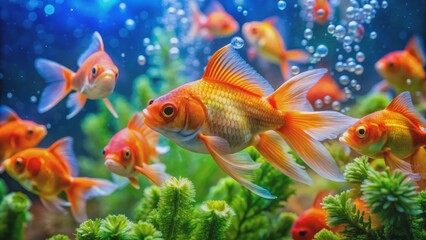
{"x": 232, "y": 107}
{"x": 95, "y": 79}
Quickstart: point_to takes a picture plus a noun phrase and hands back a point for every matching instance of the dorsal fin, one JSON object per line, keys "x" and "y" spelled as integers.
{"x": 62, "y": 149}
{"x": 214, "y": 6}
{"x": 403, "y": 104}
{"x": 137, "y": 123}
{"x": 95, "y": 46}
{"x": 271, "y": 20}
{"x": 415, "y": 48}
{"x": 7, "y": 115}
{"x": 320, "y": 195}
{"x": 227, "y": 67}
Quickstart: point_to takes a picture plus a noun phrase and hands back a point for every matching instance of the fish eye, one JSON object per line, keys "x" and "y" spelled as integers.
{"x": 361, "y": 132}
{"x": 19, "y": 163}
{"x": 254, "y": 30}
{"x": 151, "y": 101}
{"x": 103, "y": 151}
{"x": 302, "y": 233}
{"x": 391, "y": 64}
{"x": 94, "y": 70}
{"x": 30, "y": 132}
{"x": 126, "y": 153}
{"x": 168, "y": 110}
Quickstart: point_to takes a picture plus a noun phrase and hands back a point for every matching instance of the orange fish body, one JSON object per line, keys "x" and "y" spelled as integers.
{"x": 311, "y": 221}
{"x": 17, "y": 134}
{"x": 265, "y": 39}
{"x": 326, "y": 86}
{"x": 375, "y": 219}
{"x": 232, "y": 107}
{"x": 395, "y": 134}
{"x": 321, "y": 11}
{"x": 403, "y": 70}
{"x": 129, "y": 152}
{"x": 48, "y": 172}
{"x": 95, "y": 79}
{"x": 216, "y": 24}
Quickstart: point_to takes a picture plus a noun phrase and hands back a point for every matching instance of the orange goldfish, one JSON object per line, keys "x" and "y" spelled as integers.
{"x": 17, "y": 134}
{"x": 233, "y": 107}
{"x": 403, "y": 70}
{"x": 311, "y": 221}
{"x": 48, "y": 172}
{"x": 129, "y": 151}
{"x": 321, "y": 11}
{"x": 217, "y": 23}
{"x": 266, "y": 40}
{"x": 395, "y": 134}
{"x": 326, "y": 86}
{"x": 95, "y": 79}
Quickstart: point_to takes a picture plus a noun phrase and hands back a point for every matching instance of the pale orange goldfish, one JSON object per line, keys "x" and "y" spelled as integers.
{"x": 232, "y": 107}
{"x": 396, "y": 134}
{"x": 265, "y": 39}
{"x": 403, "y": 70}
{"x": 48, "y": 172}
{"x": 95, "y": 79}
{"x": 17, "y": 134}
{"x": 326, "y": 86}
{"x": 129, "y": 151}
{"x": 216, "y": 24}
{"x": 321, "y": 11}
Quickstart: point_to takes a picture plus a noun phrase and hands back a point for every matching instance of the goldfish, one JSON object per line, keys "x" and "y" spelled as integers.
{"x": 49, "y": 171}
{"x": 395, "y": 134}
{"x": 17, "y": 134}
{"x": 321, "y": 11}
{"x": 232, "y": 107}
{"x": 403, "y": 70}
{"x": 129, "y": 151}
{"x": 216, "y": 24}
{"x": 265, "y": 39}
{"x": 95, "y": 79}
{"x": 326, "y": 86}
{"x": 311, "y": 221}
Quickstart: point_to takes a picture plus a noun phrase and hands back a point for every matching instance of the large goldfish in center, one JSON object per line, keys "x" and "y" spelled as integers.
{"x": 232, "y": 107}
{"x": 95, "y": 79}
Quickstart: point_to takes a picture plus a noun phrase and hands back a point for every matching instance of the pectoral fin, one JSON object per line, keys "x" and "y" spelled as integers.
{"x": 108, "y": 104}
{"x": 393, "y": 162}
{"x": 54, "y": 204}
{"x": 237, "y": 165}
{"x": 134, "y": 182}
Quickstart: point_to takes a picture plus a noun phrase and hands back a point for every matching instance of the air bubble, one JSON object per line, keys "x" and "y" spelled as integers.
{"x": 130, "y": 24}
{"x": 408, "y": 81}
{"x": 331, "y": 28}
{"x": 320, "y": 12}
{"x": 340, "y": 31}
{"x": 304, "y": 42}
{"x": 359, "y": 69}
{"x": 237, "y": 42}
{"x": 149, "y": 50}
{"x": 354, "y": 82}
{"x": 295, "y": 70}
{"x": 358, "y": 87}
{"x": 308, "y": 33}
{"x": 318, "y": 104}
{"x": 239, "y": 9}
{"x": 322, "y": 50}
{"x": 281, "y": 5}
{"x": 347, "y": 48}
{"x": 146, "y": 41}
{"x": 310, "y": 49}
{"x": 347, "y": 40}
{"x": 339, "y": 66}
{"x": 336, "y": 105}
{"x": 340, "y": 57}
{"x": 360, "y": 57}
{"x": 174, "y": 41}
{"x": 174, "y": 52}
{"x": 348, "y": 93}
{"x": 344, "y": 80}
{"x": 33, "y": 99}
{"x": 141, "y": 60}
{"x": 48, "y": 126}
{"x": 245, "y": 12}
{"x": 327, "y": 99}
{"x": 384, "y": 4}
{"x": 9, "y": 95}
{"x": 373, "y": 35}
{"x": 357, "y": 48}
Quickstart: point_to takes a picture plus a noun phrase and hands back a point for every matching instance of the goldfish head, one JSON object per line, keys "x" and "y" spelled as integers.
{"x": 27, "y": 134}
{"x": 16, "y": 166}
{"x": 308, "y": 224}
{"x": 177, "y": 115}
{"x": 365, "y": 137}
{"x": 390, "y": 67}
{"x": 253, "y": 32}
{"x": 222, "y": 24}
{"x": 102, "y": 75}
{"x": 120, "y": 153}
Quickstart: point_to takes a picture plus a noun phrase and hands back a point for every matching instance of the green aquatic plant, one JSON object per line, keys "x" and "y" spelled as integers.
{"x": 368, "y": 104}
{"x": 13, "y": 215}
{"x": 59, "y": 237}
{"x": 325, "y": 234}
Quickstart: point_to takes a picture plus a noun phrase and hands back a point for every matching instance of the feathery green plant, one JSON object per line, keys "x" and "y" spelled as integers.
{"x": 59, "y": 237}
{"x": 13, "y": 215}
{"x": 325, "y": 234}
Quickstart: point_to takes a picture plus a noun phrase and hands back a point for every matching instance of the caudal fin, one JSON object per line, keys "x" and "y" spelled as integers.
{"x": 83, "y": 189}
{"x": 303, "y": 130}
{"x": 58, "y": 80}
{"x": 299, "y": 56}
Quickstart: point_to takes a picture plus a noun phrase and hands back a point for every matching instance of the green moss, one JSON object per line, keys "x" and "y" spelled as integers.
{"x": 59, "y": 237}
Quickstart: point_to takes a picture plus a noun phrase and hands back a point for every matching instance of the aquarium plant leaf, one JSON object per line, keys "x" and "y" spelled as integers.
{"x": 13, "y": 216}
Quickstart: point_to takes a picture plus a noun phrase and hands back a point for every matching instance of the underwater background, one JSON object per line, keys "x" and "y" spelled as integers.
{"x": 150, "y": 44}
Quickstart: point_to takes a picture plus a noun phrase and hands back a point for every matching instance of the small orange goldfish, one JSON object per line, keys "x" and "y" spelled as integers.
{"x": 217, "y": 23}
{"x": 326, "y": 86}
{"x": 311, "y": 221}
{"x": 395, "y": 134}
{"x": 129, "y": 151}
{"x": 48, "y": 172}
{"x": 95, "y": 79}
{"x": 17, "y": 134}
{"x": 321, "y": 11}
{"x": 266, "y": 40}
{"x": 403, "y": 70}
{"x": 233, "y": 107}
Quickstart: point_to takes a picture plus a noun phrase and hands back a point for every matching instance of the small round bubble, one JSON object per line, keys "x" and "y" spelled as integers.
{"x": 354, "y": 82}
{"x": 357, "y": 87}
{"x": 347, "y": 40}
{"x": 49, "y": 9}
{"x": 340, "y": 31}
{"x": 350, "y": 12}
{"x": 340, "y": 57}
{"x": 141, "y": 60}
{"x": 237, "y": 42}
{"x": 48, "y": 126}
{"x": 308, "y": 33}
{"x": 146, "y": 41}
{"x": 351, "y": 66}
{"x": 347, "y": 48}
{"x": 344, "y": 80}
{"x": 336, "y": 105}
{"x": 348, "y": 93}
{"x": 320, "y": 12}
{"x": 327, "y": 99}
{"x": 339, "y": 66}
{"x": 33, "y": 99}
{"x": 174, "y": 52}
{"x": 408, "y": 81}
{"x": 281, "y": 5}
{"x": 9, "y": 95}
{"x": 373, "y": 35}
{"x": 352, "y": 26}
{"x": 174, "y": 41}
{"x": 295, "y": 70}
{"x": 322, "y": 50}
{"x": 150, "y": 49}
{"x": 359, "y": 69}
{"x": 384, "y": 4}
{"x": 318, "y": 104}
{"x": 331, "y": 28}
{"x": 304, "y": 42}
{"x": 239, "y": 9}
{"x": 357, "y": 48}
{"x": 245, "y": 12}
{"x": 310, "y": 49}
{"x": 130, "y": 24}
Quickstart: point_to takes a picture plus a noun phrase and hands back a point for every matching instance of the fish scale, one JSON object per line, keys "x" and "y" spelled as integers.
{"x": 235, "y": 115}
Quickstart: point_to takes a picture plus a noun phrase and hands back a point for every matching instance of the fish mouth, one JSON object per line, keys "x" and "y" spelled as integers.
{"x": 345, "y": 139}
{"x": 115, "y": 167}
{"x": 150, "y": 120}
{"x": 379, "y": 66}
{"x": 106, "y": 81}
